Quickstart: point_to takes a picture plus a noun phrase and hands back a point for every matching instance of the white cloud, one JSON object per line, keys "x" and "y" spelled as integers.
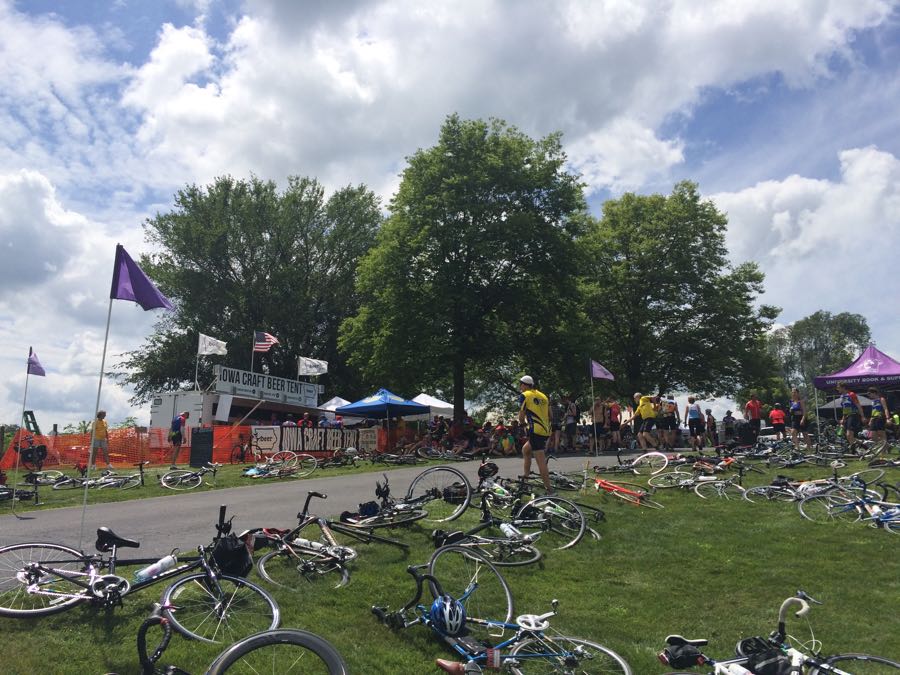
{"x": 825, "y": 244}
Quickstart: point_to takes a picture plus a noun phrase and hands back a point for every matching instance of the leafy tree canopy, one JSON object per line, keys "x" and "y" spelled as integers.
{"x": 238, "y": 256}
{"x": 667, "y": 309}
{"x": 470, "y": 272}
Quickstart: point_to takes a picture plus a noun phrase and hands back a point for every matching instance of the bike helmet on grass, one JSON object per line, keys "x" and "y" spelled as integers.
{"x": 448, "y": 615}
{"x": 487, "y": 470}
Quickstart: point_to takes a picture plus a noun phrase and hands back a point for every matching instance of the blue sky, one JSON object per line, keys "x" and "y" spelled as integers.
{"x": 784, "y": 113}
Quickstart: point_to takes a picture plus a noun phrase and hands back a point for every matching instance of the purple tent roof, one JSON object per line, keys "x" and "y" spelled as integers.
{"x": 873, "y": 367}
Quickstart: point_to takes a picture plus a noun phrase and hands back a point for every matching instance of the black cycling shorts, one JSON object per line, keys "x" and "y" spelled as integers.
{"x": 877, "y": 423}
{"x": 538, "y": 442}
{"x": 648, "y": 424}
{"x": 696, "y": 427}
{"x": 778, "y": 428}
{"x": 615, "y": 426}
{"x": 797, "y": 422}
{"x": 668, "y": 423}
{"x": 853, "y": 423}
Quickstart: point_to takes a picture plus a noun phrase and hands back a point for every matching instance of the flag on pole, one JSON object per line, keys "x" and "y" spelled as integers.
{"x": 34, "y": 366}
{"x": 306, "y": 366}
{"x": 600, "y": 372}
{"x": 130, "y": 283}
{"x": 262, "y": 342}
{"x": 209, "y": 345}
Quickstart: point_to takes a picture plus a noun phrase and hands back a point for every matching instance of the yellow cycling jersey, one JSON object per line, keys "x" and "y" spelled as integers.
{"x": 537, "y": 411}
{"x": 645, "y": 408}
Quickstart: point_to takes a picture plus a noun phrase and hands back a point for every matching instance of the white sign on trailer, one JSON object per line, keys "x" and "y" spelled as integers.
{"x": 265, "y": 387}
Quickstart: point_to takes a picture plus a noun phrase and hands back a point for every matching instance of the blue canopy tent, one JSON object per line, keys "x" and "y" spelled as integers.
{"x": 382, "y": 404}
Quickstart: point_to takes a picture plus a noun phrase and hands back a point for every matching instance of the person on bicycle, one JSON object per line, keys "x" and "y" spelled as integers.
{"x": 101, "y": 439}
{"x": 852, "y": 411}
{"x": 176, "y": 435}
{"x": 879, "y": 415}
{"x": 534, "y": 413}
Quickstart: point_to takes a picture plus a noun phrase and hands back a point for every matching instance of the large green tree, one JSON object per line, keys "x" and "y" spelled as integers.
{"x": 471, "y": 271}
{"x": 240, "y": 255}
{"x": 668, "y": 309}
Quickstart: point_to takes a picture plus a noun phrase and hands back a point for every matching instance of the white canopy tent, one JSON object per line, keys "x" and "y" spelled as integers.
{"x": 330, "y": 405}
{"x": 438, "y": 407}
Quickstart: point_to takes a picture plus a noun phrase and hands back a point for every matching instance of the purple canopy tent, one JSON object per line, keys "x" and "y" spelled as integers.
{"x": 872, "y": 368}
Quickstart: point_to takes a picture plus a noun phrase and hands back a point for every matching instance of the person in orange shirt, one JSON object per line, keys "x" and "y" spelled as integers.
{"x": 776, "y": 417}
{"x": 752, "y": 413}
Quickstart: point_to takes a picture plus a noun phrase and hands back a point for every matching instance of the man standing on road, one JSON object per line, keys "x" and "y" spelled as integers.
{"x": 753, "y": 414}
{"x": 534, "y": 413}
{"x": 176, "y": 435}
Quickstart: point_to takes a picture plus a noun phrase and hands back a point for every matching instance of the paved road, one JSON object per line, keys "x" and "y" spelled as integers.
{"x": 184, "y": 520}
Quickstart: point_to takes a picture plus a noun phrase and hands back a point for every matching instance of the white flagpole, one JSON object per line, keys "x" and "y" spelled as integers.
{"x": 91, "y": 458}
{"x": 252, "y": 352}
{"x": 19, "y": 437}
{"x": 197, "y": 366}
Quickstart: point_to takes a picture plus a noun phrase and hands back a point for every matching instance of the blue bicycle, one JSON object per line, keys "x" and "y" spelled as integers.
{"x": 463, "y": 621}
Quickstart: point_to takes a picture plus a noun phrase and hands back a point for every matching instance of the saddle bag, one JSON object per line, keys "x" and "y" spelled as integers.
{"x": 232, "y": 556}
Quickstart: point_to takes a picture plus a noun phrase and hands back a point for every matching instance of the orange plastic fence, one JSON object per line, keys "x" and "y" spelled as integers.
{"x": 129, "y": 446}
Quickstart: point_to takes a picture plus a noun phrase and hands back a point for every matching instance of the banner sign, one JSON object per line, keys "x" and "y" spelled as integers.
{"x": 298, "y": 439}
{"x": 265, "y": 387}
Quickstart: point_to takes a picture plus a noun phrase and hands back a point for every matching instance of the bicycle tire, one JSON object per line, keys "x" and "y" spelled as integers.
{"x": 669, "y": 479}
{"x": 15, "y": 558}
{"x": 364, "y": 535}
{"x": 642, "y": 499}
{"x": 68, "y": 483}
{"x": 49, "y": 477}
{"x": 181, "y": 479}
{"x": 465, "y": 574}
{"x": 562, "y": 523}
{"x": 306, "y": 465}
{"x": 880, "y": 666}
{"x": 768, "y": 493}
{"x": 650, "y": 463}
{"x": 196, "y": 604}
{"x": 287, "y": 568}
{"x": 827, "y": 508}
{"x": 285, "y": 458}
{"x": 719, "y": 488}
{"x": 866, "y": 476}
{"x": 590, "y": 656}
{"x": 889, "y": 492}
{"x": 148, "y": 661}
{"x": 279, "y": 651}
{"x": 129, "y": 483}
{"x": 449, "y": 489}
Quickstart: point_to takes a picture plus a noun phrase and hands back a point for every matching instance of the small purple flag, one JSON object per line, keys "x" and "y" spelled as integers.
{"x": 600, "y": 372}
{"x": 34, "y": 366}
{"x": 130, "y": 283}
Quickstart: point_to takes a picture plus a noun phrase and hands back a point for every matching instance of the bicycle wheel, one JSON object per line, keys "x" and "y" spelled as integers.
{"x": 561, "y": 654}
{"x": 722, "y": 489}
{"x": 859, "y": 477}
{"x": 21, "y": 566}
{"x": 504, "y": 552}
{"x": 49, "y": 477}
{"x": 280, "y": 651}
{"x": 638, "y": 499}
{"x": 827, "y": 508}
{"x": 669, "y": 479}
{"x": 306, "y": 464}
{"x": 468, "y": 576}
{"x": 650, "y": 463}
{"x": 285, "y": 458}
{"x": 859, "y": 664}
{"x": 234, "y": 610}
{"x": 181, "y": 479}
{"x": 560, "y": 522}
{"x": 768, "y": 493}
{"x": 446, "y": 490}
{"x": 126, "y": 483}
{"x": 68, "y": 483}
{"x": 289, "y": 566}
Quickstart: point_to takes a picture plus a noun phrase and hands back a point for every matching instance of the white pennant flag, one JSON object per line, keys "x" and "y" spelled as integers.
{"x": 307, "y": 366}
{"x": 209, "y": 345}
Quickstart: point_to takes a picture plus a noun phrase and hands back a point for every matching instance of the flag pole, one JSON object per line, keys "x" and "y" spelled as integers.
{"x": 252, "y": 351}
{"x": 593, "y": 421}
{"x": 19, "y": 436}
{"x": 91, "y": 458}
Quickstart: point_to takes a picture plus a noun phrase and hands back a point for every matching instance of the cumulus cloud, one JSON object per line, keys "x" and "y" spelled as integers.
{"x": 822, "y": 243}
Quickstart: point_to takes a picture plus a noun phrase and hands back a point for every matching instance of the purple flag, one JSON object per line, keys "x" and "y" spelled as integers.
{"x": 34, "y": 366}
{"x": 130, "y": 283}
{"x": 600, "y": 372}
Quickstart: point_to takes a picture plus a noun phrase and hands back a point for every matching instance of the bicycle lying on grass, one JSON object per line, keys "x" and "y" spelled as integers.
{"x": 779, "y": 653}
{"x": 38, "y": 579}
{"x": 186, "y": 479}
{"x": 295, "y": 557}
{"x": 273, "y": 651}
{"x": 461, "y": 619}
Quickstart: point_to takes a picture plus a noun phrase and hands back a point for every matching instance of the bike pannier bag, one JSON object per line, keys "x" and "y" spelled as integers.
{"x": 771, "y": 662}
{"x": 232, "y": 557}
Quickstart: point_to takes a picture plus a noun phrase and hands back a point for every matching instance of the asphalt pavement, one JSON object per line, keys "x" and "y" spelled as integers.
{"x": 184, "y": 520}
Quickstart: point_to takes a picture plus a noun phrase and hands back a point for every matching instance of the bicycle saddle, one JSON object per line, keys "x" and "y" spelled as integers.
{"x": 677, "y": 640}
{"x": 106, "y": 539}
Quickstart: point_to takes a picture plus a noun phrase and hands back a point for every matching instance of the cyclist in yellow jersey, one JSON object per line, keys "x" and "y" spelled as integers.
{"x": 535, "y": 413}
{"x": 647, "y": 411}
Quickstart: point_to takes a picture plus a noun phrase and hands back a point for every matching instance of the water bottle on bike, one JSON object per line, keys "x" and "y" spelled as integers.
{"x": 162, "y": 565}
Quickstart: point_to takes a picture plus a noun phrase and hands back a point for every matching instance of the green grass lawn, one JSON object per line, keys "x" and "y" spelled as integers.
{"x": 717, "y": 570}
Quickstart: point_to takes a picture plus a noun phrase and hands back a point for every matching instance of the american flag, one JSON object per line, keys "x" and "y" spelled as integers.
{"x": 262, "y": 342}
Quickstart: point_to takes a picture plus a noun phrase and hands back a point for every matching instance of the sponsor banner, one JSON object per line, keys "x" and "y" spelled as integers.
{"x": 265, "y": 387}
